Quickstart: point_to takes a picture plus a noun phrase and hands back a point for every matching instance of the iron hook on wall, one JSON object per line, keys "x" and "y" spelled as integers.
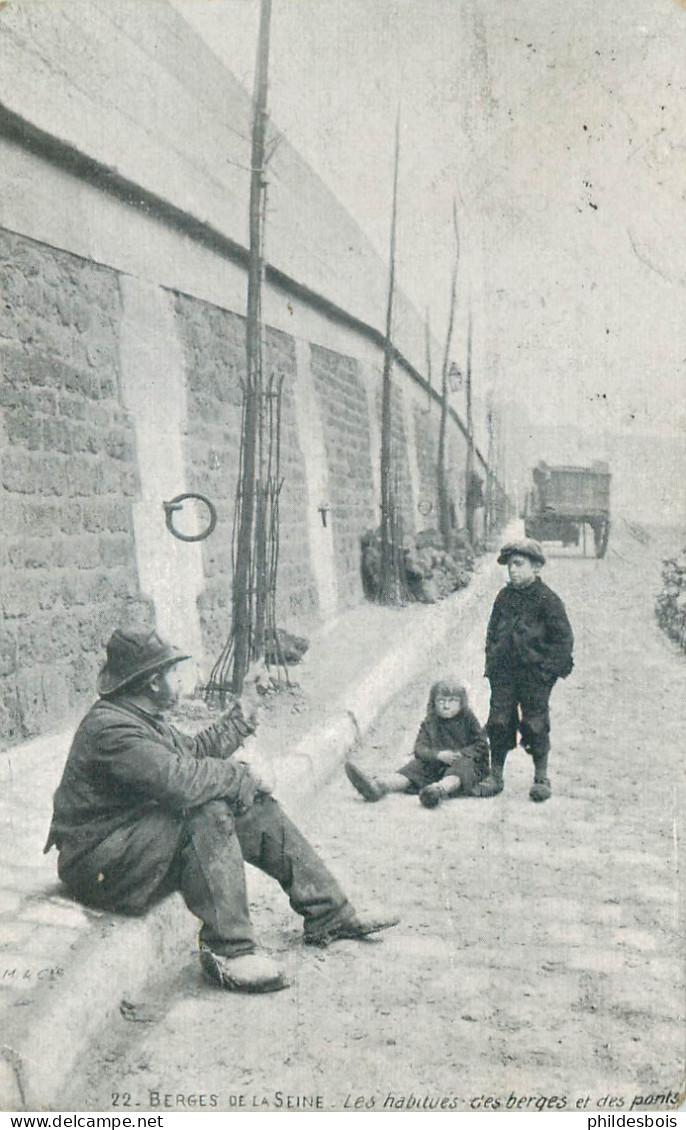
{"x": 170, "y": 509}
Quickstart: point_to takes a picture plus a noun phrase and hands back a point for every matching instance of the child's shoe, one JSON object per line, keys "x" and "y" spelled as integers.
{"x": 432, "y": 795}
{"x": 490, "y": 786}
{"x": 368, "y": 787}
{"x": 540, "y": 790}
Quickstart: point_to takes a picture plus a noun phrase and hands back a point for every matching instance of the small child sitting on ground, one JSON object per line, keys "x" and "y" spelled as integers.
{"x": 450, "y": 753}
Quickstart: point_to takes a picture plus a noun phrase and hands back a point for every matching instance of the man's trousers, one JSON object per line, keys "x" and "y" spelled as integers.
{"x": 201, "y": 853}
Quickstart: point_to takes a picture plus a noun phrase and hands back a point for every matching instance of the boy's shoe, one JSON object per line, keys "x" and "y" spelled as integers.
{"x": 245, "y": 973}
{"x": 431, "y": 795}
{"x": 490, "y": 786}
{"x": 354, "y": 927}
{"x": 540, "y": 790}
{"x": 368, "y": 787}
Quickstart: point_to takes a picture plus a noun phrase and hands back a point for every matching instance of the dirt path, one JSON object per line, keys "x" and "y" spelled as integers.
{"x": 539, "y": 955}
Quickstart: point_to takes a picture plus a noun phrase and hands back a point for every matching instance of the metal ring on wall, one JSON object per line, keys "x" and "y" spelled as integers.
{"x": 170, "y": 509}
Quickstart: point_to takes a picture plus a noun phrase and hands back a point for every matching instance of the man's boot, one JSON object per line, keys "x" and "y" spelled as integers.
{"x": 353, "y": 926}
{"x": 244, "y": 973}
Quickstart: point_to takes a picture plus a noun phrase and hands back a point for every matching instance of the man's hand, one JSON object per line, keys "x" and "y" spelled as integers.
{"x": 246, "y": 787}
{"x": 254, "y": 687}
{"x": 449, "y": 756}
{"x": 250, "y": 755}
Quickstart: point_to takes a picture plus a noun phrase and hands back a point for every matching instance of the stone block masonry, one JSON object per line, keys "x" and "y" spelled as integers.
{"x": 426, "y": 431}
{"x": 213, "y": 341}
{"x": 426, "y": 426}
{"x": 343, "y": 411}
{"x": 118, "y": 393}
{"x": 403, "y": 485}
{"x": 68, "y": 471}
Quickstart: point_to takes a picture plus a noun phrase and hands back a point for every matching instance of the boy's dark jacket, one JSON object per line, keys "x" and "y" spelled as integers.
{"x": 529, "y": 634}
{"x": 461, "y": 733}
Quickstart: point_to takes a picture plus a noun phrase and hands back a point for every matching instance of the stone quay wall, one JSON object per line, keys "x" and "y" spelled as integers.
{"x": 122, "y": 297}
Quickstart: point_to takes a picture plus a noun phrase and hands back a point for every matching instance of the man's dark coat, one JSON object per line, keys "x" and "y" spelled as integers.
{"x": 126, "y": 766}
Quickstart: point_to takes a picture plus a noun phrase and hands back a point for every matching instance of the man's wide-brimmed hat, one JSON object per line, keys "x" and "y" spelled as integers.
{"x": 132, "y": 653}
{"x": 525, "y": 547}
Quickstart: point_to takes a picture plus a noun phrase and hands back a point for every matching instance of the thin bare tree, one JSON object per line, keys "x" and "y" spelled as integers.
{"x": 393, "y": 589}
{"x": 444, "y": 516}
{"x": 471, "y": 483}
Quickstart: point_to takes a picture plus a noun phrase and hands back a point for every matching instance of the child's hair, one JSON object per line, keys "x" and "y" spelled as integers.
{"x": 448, "y": 687}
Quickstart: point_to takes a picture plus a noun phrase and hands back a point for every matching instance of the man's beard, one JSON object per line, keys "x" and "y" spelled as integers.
{"x": 165, "y": 698}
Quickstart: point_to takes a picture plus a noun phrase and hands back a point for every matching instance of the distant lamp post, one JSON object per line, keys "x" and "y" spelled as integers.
{"x": 455, "y": 377}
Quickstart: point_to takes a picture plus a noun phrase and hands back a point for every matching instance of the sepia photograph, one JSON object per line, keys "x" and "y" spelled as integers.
{"x": 343, "y": 558}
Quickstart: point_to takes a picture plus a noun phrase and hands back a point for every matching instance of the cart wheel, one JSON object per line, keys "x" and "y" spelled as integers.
{"x": 601, "y": 533}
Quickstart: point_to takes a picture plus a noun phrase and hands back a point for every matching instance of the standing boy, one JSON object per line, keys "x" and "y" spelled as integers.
{"x": 528, "y": 647}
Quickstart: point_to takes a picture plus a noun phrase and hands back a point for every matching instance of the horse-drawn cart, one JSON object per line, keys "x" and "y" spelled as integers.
{"x": 564, "y": 500}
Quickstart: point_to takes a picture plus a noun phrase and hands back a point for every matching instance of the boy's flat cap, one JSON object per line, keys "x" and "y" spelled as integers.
{"x": 525, "y": 547}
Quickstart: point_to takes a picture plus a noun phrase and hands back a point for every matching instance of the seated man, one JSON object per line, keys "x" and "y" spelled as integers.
{"x": 143, "y": 810}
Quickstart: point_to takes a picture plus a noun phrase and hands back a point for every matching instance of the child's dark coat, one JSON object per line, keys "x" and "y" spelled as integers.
{"x": 463, "y": 733}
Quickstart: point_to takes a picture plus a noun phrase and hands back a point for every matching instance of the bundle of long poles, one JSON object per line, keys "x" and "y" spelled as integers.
{"x": 256, "y": 499}
{"x": 242, "y": 602}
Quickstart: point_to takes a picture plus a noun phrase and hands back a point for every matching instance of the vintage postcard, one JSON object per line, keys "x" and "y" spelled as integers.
{"x": 343, "y": 566}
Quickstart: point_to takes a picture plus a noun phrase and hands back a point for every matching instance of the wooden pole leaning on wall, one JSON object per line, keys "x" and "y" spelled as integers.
{"x": 393, "y": 589}
{"x": 443, "y": 491}
{"x": 242, "y": 597}
{"x": 230, "y": 668}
